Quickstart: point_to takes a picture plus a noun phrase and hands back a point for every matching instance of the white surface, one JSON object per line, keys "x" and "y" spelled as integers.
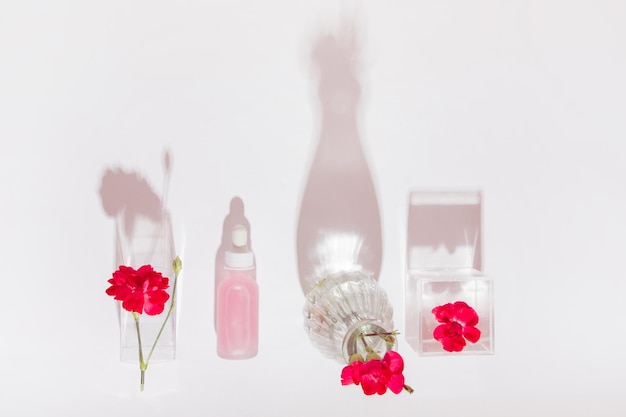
{"x": 524, "y": 99}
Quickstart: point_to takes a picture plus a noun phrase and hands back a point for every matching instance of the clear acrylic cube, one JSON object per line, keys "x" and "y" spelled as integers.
{"x": 148, "y": 241}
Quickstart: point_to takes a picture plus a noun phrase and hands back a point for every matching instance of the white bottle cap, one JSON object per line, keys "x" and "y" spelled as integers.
{"x": 240, "y": 257}
{"x": 239, "y": 236}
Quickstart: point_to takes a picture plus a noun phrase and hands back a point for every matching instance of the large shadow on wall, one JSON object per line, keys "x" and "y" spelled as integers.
{"x": 339, "y": 224}
{"x": 142, "y": 229}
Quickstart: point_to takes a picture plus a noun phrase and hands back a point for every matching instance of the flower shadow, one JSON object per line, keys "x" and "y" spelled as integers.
{"x": 126, "y": 196}
{"x": 140, "y": 216}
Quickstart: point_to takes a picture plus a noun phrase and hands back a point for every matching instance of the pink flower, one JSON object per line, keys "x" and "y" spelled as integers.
{"x": 458, "y": 325}
{"x": 376, "y": 375}
{"x": 139, "y": 290}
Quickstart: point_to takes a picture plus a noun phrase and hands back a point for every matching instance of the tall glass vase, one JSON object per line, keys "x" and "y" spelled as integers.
{"x": 147, "y": 240}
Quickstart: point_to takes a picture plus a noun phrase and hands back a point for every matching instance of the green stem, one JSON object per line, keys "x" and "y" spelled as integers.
{"x": 393, "y": 333}
{"x": 142, "y": 366}
{"x": 388, "y": 337}
{"x": 169, "y": 313}
{"x": 362, "y": 336}
{"x": 371, "y": 353}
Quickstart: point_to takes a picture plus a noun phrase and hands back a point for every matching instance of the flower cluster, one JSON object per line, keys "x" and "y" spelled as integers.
{"x": 458, "y": 321}
{"x": 373, "y": 374}
{"x": 376, "y": 375}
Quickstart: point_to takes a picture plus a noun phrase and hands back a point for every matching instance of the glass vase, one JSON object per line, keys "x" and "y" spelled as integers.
{"x": 347, "y": 312}
{"x": 147, "y": 240}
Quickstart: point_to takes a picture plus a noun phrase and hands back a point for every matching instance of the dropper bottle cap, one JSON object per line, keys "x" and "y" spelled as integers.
{"x": 239, "y": 256}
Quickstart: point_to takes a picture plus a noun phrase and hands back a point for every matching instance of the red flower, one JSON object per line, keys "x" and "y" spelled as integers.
{"x": 458, "y": 324}
{"x": 139, "y": 290}
{"x": 376, "y": 375}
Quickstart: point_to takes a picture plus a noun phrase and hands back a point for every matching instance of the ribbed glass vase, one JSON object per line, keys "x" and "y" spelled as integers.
{"x": 347, "y": 313}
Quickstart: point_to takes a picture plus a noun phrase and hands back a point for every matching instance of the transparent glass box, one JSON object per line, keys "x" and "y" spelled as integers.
{"x": 444, "y": 261}
{"x": 147, "y": 241}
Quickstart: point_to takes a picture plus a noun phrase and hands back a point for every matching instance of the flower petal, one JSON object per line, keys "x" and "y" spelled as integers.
{"x": 453, "y": 344}
{"x": 396, "y": 383}
{"x": 369, "y": 384}
{"x": 447, "y": 330}
{"x": 444, "y": 313}
{"x": 440, "y": 331}
{"x": 146, "y": 270}
{"x": 155, "y": 303}
{"x": 356, "y": 371}
{"x": 471, "y": 333}
{"x": 121, "y": 275}
{"x": 133, "y": 303}
{"x": 393, "y": 361}
{"x": 373, "y": 377}
{"x": 466, "y": 316}
{"x": 346, "y": 375}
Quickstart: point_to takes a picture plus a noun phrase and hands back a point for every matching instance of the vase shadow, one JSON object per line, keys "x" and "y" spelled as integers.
{"x": 339, "y": 223}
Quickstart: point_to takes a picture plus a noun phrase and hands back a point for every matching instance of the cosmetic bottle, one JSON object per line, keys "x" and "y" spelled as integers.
{"x": 237, "y": 301}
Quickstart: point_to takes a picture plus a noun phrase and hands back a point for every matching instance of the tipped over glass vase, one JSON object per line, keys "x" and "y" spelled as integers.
{"x": 348, "y": 313}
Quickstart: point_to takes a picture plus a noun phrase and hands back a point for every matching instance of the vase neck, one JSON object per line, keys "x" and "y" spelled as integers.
{"x": 366, "y": 336}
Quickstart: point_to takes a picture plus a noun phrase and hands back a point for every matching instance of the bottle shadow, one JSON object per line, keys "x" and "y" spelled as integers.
{"x": 235, "y": 216}
{"x": 339, "y": 223}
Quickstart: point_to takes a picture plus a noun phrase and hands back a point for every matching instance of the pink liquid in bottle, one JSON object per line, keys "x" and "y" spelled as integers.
{"x": 237, "y": 302}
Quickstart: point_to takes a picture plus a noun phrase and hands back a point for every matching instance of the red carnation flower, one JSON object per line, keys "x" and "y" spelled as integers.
{"x": 458, "y": 324}
{"x": 376, "y": 375}
{"x": 139, "y": 290}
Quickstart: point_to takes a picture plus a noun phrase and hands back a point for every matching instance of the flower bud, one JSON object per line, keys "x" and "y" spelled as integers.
{"x": 355, "y": 357}
{"x": 177, "y": 265}
{"x": 389, "y": 339}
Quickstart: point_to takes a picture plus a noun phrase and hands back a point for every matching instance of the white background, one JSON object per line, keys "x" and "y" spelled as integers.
{"x": 522, "y": 99}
